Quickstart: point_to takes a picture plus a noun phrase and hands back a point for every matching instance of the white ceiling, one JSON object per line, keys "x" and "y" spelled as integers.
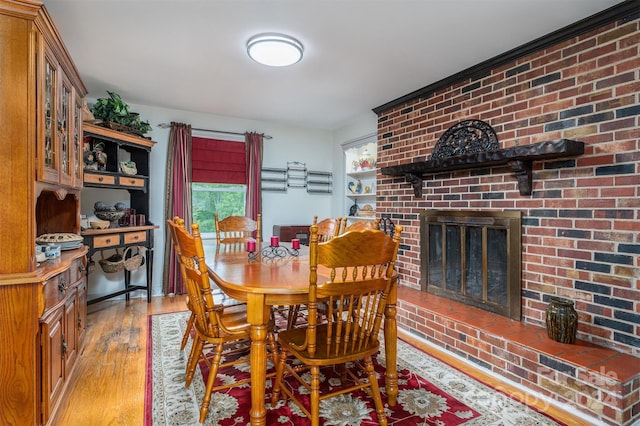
{"x": 359, "y": 54}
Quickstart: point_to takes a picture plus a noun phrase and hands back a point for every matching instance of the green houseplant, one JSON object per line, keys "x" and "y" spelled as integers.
{"x": 114, "y": 110}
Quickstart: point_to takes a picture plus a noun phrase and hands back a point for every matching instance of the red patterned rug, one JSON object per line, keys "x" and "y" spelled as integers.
{"x": 430, "y": 392}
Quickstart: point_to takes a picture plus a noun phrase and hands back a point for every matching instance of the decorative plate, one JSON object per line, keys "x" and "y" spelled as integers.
{"x": 58, "y": 238}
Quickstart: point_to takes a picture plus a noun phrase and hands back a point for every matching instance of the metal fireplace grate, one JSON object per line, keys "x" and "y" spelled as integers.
{"x": 473, "y": 257}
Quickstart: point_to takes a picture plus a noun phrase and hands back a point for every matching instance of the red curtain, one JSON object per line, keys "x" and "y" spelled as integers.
{"x": 177, "y": 200}
{"x": 218, "y": 161}
{"x": 253, "y": 142}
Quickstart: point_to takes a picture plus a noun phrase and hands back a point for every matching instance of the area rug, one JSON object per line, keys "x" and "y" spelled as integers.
{"x": 430, "y": 392}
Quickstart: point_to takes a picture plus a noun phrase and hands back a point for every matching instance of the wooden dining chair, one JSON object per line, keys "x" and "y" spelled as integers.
{"x": 216, "y": 326}
{"x": 224, "y": 299}
{"x": 327, "y": 228}
{"x": 359, "y": 225}
{"x": 361, "y": 269}
{"x": 179, "y": 222}
{"x": 238, "y": 229}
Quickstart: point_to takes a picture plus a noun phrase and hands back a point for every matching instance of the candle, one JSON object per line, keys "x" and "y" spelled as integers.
{"x": 295, "y": 243}
{"x": 251, "y": 246}
{"x": 275, "y": 241}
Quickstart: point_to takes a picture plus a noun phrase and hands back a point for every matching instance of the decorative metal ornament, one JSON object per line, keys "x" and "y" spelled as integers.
{"x": 273, "y": 252}
{"x": 466, "y": 137}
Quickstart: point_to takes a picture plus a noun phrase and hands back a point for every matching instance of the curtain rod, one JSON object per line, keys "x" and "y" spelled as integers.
{"x": 166, "y": 126}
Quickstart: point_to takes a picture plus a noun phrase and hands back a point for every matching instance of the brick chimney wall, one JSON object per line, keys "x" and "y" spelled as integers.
{"x": 581, "y": 224}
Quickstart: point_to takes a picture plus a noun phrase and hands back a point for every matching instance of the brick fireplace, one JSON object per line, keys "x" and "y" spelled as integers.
{"x": 580, "y": 221}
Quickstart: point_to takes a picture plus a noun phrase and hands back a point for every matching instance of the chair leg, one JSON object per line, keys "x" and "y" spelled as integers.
{"x": 273, "y": 347}
{"x": 315, "y": 395}
{"x": 187, "y": 332}
{"x": 375, "y": 391}
{"x": 292, "y": 317}
{"x": 275, "y": 395}
{"x": 342, "y": 371}
{"x": 213, "y": 372}
{"x": 194, "y": 356}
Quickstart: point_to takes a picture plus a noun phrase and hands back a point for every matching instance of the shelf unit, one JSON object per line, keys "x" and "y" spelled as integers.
{"x": 360, "y": 178}
{"x": 121, "y": 147}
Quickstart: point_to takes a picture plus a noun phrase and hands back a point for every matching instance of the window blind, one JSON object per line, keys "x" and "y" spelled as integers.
{"x": 218, "y": 161}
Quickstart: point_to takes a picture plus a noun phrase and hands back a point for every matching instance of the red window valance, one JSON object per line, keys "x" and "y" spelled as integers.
{"x": 218, "y": 161}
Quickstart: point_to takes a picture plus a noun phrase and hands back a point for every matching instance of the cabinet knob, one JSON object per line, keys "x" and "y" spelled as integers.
{"x": 136, "y": 237}
{"x": 108, "y": 240}
{"x": 62, "y": 285}
{"x": 100, "y": 179}
{"x": 133, "y": 182}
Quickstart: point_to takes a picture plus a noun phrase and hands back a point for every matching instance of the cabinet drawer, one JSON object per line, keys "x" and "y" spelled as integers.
{"x": 100, "y": 179}
{"x": 76, "y": 271}
{"x": 130, "y": 181}
{"x": 135, "y": 237}
{"x": 106, "y": 240}
{"x": 55, "y": 290}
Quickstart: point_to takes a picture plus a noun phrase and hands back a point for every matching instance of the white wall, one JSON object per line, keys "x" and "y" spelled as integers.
{"x": 320, "y": 150}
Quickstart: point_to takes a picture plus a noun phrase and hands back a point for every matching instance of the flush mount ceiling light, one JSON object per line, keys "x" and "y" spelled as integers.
{"x": 274, "y": 50}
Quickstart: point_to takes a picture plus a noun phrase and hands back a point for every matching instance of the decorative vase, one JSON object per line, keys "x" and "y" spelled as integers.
{"x": 562, "y": 320}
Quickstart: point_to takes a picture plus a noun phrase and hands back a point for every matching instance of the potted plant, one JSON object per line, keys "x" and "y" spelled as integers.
{"x": 113, "y": 110}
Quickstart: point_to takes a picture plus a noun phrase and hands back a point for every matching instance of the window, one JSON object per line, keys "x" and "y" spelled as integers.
{"x": 210, "y": 198}
{"x": 219, "y": 176}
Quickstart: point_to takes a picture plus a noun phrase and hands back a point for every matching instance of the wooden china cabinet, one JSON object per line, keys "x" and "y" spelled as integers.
{"x": 42, "y": 305}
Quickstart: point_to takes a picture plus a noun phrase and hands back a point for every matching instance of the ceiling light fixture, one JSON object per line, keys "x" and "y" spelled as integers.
{"x": 274, "y": 50}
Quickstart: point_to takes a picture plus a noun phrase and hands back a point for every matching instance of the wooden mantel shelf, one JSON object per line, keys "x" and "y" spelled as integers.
{"x": 518, "y": 158}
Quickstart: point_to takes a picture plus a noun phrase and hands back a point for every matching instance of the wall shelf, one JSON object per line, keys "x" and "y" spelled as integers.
{"x": 320, "y": 182}
{"x": 519, "y": 158}
{"x": 296, "y": 175}
{"x": 274, "y": 179}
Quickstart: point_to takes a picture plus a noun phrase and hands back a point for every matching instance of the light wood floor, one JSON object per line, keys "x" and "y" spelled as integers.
{"x": 107, "y": 387}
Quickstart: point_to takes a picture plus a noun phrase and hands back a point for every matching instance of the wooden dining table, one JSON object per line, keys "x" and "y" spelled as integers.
{"x": 268, "y": 281}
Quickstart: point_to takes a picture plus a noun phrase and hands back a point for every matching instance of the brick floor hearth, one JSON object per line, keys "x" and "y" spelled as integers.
{"x": 598, "y": 381}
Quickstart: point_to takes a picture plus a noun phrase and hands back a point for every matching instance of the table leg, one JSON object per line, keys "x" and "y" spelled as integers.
{"x": 258, "y": 316}
{"x": 390, "y": 345}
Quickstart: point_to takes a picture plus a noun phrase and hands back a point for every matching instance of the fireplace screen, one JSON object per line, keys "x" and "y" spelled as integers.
{"x": 473, "y": 257}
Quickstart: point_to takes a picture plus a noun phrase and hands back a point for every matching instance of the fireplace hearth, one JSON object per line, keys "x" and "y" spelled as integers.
{"x": 473, "y": 257}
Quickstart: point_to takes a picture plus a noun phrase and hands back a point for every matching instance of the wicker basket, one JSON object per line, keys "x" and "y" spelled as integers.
{"x": 128, "y": 167}
{"x": 112, "y": 264}
{"x": 121, "y": 128}
{"x": 367, "y": 211}
{"x": 133, "y": 257}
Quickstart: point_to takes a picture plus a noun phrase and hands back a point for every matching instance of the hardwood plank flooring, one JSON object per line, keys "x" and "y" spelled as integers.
{"x": 107, "y": 387}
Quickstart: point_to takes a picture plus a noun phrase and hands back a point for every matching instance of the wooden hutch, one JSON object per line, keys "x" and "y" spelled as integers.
{"x": 122, "y": 146}
{"x": 42, "y": 306}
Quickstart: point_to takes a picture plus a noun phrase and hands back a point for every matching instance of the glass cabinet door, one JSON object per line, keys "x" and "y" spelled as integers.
{"x": 48, "y": 161}
{"x": 77, "y": 143}
{"x": 66, "y": 106}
